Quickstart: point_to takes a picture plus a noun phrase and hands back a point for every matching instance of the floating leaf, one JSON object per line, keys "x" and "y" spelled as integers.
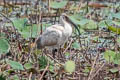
{"x": 74, "y": 20}
{"x": 4, "y": 46}
{"x": 2, "y": 77}
{"x": 117, "y": 58}
{"x": 116, "y": 22}
{"x": 10, "y": 71}
{"x": 28, "y": 65}
{"x": 109, "y": 55}
{"x": 76, "y": 45}
{"x": 83, "y": 21}
{"x": 107, "y": 78}
{"x": 114, "y": 70}
{"x": 15, "y": 77}
{"x": 116, "y": 15}
{"x": 70, "y": 66}
{"x": 2, "y": 34}
{"x": 15, "y": 65}
{"x": 67, "y": 54}
{"x": 118, "y": 40}
{"x": 87, "y": 70}
{"x": 95, "y": 39}
{"x": 55, "y": 4}
{"x": 19, "y": 23}
{"x": 91, "y": 25}
{"x": 102, "y": 24}
{"x": 43, "y": 62}
{"x": 51, "y": 68}
{"x": 109, "y": 22}
{"x": 27, "y": 31}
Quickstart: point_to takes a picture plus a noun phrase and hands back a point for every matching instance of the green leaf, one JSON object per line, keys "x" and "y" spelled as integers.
{"x": 96, "y": 38}
{"x": 67, "y": 54}
{"x": 87, "y": 70}
{"x": 22, "y": 29}
{"x": 19, "y": 23}
{"x": 26, "y": 31}
{"x": 116, "y": 22}
{"x": 80, "y": 21}
{"x": 15, "y": 77}
{"x": 51, "y": 68}
{"x": 109, "y": 22}
{"x": 70, "y": 66}
{"x": 56, "y": 5}
{"x": 15, "y": 65}
{"x": 82, "y": 30}
{"x": 109, "y": 55}
{"x": 77, "y": 16}
{"x": 73, "y": 19}
{"x": 116, "y": 15}
{"x": 83, "y": 21}
{"x": 8, "y": 24}
{"x": 76, "y": 45}
{"x": 107, "y": 78}
{"x": 118, "y": 40}
{"x": 117, "y": 58}
{"x": 9, "y": 71}
{"x": 4, "y": 46}
{"x": 2, "y": 34}
{"x": 28, "y": 65}
{"x": 102, "y": 24}
{"x": 91, "y": 25}
{"x": 114, "y": 70}
{"x": 105, "y": 12}
{"x": 2, "y": 77}
{"x": 43, "y": 62}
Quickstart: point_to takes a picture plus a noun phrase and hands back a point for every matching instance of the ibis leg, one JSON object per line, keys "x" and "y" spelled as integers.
{"x": 60, "y": 53}
{"x": 53, "y": 52}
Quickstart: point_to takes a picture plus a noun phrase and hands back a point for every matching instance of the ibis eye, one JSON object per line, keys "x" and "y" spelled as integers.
{"x": 63, "y": 17}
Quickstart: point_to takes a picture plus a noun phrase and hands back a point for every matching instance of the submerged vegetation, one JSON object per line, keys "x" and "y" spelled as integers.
{"x": 93, "y": 55}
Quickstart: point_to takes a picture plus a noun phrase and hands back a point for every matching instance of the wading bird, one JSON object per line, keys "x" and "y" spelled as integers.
{"x": 56, "y": 35}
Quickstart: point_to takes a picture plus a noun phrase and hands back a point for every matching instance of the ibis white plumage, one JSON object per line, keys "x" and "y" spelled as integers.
{"x": 56, "y": 35}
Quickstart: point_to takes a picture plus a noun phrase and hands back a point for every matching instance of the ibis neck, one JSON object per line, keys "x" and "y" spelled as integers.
{"x": 67, "y": 27}
{"x": 64, "y": 23}
{"x": 68, "y": 24}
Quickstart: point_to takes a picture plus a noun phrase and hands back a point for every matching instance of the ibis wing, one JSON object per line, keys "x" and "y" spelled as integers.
{"x": 51, "y": 36}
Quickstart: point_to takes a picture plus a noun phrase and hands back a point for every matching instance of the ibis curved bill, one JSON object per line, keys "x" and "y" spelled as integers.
{"x": 56, "y": 35}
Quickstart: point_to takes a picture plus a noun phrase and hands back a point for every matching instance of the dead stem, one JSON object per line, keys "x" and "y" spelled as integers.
{"x": 97, "y": 71}
{"x": 93, "y": 66}
{"x": 44, "y": 72}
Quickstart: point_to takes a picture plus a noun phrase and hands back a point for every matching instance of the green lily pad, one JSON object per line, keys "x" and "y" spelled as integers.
{"x": 70, "y": 66}
{"x": 28, "y": 65}
{"x": 4, "y": 46}
{"x": 15, "y": 65}
{"x": 76, "y": 45}
{"x": 56, "y": 5}
{"x": 114, "y": 70}
{"x": 109, "y": 55}
{"x": 26, "y": 30}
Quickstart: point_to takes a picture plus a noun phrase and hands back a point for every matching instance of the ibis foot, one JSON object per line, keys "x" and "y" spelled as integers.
{"x": 60, "y": 55}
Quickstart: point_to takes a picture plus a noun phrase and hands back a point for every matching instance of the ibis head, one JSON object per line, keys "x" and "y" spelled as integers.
{"x": 56, "y": 35}
{"x": 66, "y": 18}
